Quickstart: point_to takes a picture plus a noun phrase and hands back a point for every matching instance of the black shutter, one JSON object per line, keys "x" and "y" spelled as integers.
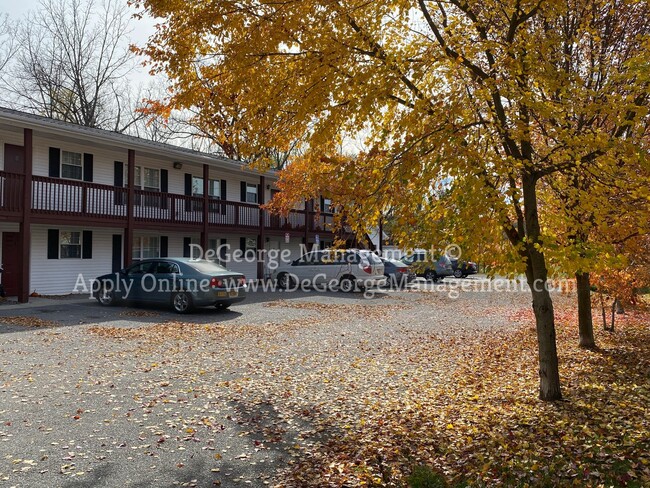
{"x": 118, "y": 171}
{"x": 117, "y": 252}
{"x": 188, "y": 192}
{"x": 119, "y": 197}
{"x": 87, "y": 244}
{"x": 164, "y": 181}
{"x": 242, "y": 244}
{"x": 260, "y": 195}
{"x": 223, "y": 190}
{"x": 164, "y": 187}
{"x": 164, "y": 244}
{"x": 322, "y": 204}
{"x": 88, "y": 167}
{"x": 243, "y": 191}
{"x": 186, "y": 247}
{"x": 52, "y": 243}
{"x": 55, "y": 162}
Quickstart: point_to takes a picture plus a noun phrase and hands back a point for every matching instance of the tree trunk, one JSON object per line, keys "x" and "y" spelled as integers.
{"x": 585, "y": 322}
{"x": 537, "y": 276}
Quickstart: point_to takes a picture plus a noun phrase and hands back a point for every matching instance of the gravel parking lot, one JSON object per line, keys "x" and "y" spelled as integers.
{"x": 94, "y": 396}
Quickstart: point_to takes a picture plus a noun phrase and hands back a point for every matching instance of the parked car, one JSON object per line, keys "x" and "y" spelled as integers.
{"x": 462, "y": 269}
{"x": 423, "y": 264}
{"x": 182, "y": 283}
{"x": 345, "y": 269}
{"x": 396, "y": 272}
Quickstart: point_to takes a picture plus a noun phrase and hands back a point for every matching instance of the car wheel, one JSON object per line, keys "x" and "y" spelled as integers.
{"x": 284, "y": 281}
{"x": 458, "y": 273}
{"x": 106, "y": 297}
{"x": 346, "y": 285}
{"x": 430, "y": 276}
{"x": 182, "y": 302}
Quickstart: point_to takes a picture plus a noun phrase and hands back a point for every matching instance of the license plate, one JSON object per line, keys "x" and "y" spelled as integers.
{"x": 233, "y": 294}
{"x": 222, "y": 294}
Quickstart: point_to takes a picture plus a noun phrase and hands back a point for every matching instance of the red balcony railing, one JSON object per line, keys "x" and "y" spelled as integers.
{"x": 55, "y": 196}
{"x": 11, "y": 193}
{"x": 67, "y": 197}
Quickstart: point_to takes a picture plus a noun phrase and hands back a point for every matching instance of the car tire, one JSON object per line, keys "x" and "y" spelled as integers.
{"x": 284, "y": 281}
{"x": 458, "y": 273}
{"x": 346, "y": 285}
{"x": 430, "y": 275}
{"x": 182, "y": 302}
{"x": 106, "y": 297}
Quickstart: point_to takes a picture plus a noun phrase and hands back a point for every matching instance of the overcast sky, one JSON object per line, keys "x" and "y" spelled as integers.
{"x": 141, "y": 29}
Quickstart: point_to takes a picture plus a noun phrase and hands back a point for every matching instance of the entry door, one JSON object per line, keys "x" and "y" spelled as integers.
{"x": 14, "y": 159}
{"x": 10, "y": 262}
{"x": 12, "y": 189}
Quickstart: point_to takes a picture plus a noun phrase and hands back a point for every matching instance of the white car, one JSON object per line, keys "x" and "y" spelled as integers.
{"x": 343, "y": 269}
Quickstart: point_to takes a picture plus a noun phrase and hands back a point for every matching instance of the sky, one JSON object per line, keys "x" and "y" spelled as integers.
{"x": 18, "y": 9}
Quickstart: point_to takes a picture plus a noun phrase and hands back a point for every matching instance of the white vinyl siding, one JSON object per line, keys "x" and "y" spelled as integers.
{"x": 58, "y": 276}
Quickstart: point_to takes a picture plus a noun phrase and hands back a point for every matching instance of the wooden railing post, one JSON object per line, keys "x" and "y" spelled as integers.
{"x": 206, "y": 203}
{"x": 25, "y": 235}
{"x": 261, "y": 234}
{"x": 130, "y": 200}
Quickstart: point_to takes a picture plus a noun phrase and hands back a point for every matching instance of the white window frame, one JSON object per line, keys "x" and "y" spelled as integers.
{"x": 79, "y": 244}
{"x": 252, "y": 186}
{"x": 139, "y": 248}
{"x": 214, "y": 187}
{"x": 139, "y": 182}
{"x": 64, "y": 163}
{"x": 327, "y": 204}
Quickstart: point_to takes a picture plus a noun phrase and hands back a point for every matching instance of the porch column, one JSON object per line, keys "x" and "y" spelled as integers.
{"x": 130, "y": 200}
{"x": 261, "y": 236}
{"x": 206, "y": 203}
{"x": 308, "y": 218}
{"x": 25, "y": 235}
{"x": 381, "y": 235}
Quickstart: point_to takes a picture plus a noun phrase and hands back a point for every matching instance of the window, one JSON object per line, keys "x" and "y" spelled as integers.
{"x": 165, "y": 267}
{"x": 214, "y": 187}
{"x": 147, "y": 179}
{"x": 251, "y": 193}
{"x": 327, "y": 205}
{"x": 146, "y": 247}
{"x": 70, "y": 243}
{"x": 71, "y": 165}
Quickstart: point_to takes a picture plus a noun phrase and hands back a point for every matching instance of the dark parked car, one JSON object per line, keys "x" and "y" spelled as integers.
{"x": 462, "y": 269}
{"x": 422, "y": 263}
{"x": 181, "y": 283}
{"x": 397, "y": 273}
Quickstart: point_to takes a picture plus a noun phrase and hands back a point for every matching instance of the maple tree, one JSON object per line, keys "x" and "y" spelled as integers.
{"x": 465, "y": 96}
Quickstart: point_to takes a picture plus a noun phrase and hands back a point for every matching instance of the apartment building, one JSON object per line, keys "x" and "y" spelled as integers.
{"x": 76, "y": 200}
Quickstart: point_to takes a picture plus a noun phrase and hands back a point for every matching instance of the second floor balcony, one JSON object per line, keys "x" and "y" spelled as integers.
{"x": 53, "y": 198}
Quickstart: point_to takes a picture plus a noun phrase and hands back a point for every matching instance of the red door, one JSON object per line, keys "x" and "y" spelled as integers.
{"x": 12, "y": 188}
{"x": 14, "y": 159}
{"x": 10, "y": 262}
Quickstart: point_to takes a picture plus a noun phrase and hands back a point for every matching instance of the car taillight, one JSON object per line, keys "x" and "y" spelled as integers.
{"x": 367, "y": 269}
{"x": 216, "y": 283}
{"x": 401, "y": 270}
{"x": 242, "y": 281}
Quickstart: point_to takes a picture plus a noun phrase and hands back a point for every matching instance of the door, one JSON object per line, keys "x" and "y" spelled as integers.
{"x": 12, "y": 189}
{"x": 11, "y": 262}
{"x": 14, "y": 159}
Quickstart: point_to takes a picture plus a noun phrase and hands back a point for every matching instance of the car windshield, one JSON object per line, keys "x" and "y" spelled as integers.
{"x": 207, "y": 267}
